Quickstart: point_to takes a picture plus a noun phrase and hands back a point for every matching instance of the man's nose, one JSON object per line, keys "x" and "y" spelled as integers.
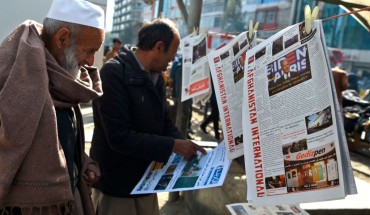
{"x": 90, "y": 60}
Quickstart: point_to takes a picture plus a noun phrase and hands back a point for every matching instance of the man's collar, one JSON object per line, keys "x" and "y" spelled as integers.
{"x": 287, "y": 75}
{"x": 133, "y": 49}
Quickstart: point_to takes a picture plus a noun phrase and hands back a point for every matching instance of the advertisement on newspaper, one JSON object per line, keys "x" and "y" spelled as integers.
{"x": 195, "y": 75}
{"x": 292, "y": 146}
{"x": 202, "y": 171}
{"x": 249, "y": 209}
{"x": 227, "y": 70}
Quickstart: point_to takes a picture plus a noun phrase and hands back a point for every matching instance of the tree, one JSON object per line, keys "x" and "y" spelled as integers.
{"x": 234, "y": 19}
{"x": 192, "y": 20}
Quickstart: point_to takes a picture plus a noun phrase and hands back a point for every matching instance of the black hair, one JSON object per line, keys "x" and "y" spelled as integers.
{"x": 159, "y": 29}
{"x": 116, "y": 40}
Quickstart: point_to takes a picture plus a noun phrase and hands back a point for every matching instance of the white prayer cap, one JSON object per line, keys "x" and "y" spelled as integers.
{"x": 77, "y": 11}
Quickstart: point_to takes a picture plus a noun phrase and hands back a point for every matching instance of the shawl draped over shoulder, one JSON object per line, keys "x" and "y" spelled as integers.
{"x": 33, "y": 170}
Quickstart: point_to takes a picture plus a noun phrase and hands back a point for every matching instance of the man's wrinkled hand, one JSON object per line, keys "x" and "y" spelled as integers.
{"x": 187, "y": 148}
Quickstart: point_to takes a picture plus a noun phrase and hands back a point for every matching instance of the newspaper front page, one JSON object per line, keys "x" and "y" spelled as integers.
{"x": 214, "y": 41}
{"x": 227, "y": 70}
{"x": 195, "y": 68}
{"x": 202, "y": 171}
{"x": 249, "y": 209}
{"x": 293, "y": 149}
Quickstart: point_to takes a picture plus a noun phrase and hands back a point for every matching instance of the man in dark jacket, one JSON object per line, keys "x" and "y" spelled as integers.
{"x": 132, "y": 127}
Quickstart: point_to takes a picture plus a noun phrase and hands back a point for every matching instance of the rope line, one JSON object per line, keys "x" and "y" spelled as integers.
{"x": 282, "y": 27}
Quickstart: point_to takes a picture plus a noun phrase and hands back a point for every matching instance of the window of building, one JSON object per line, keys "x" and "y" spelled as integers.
{"x": 260, "y": 16}
{"x": 267, "y": 17}
{"x": 270, "y": 16}
{"x": 217, "y": 22}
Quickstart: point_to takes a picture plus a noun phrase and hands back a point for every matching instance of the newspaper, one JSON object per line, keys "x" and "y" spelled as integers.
{"x": 295, "y": 150}
{"x": 195, "y": 76}
{"x": 249, "y": 209}
{"x": 214, "y": 41}
{"x": 227, "y": 69}
{"x": 202, "y": 171}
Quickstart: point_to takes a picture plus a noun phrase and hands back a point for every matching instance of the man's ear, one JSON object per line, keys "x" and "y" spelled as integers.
{"x": 159, "y": 46}
{"x": 62, "y": 38}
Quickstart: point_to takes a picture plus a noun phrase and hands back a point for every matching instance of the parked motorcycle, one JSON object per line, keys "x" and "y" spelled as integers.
{"x": 356, "y": 112}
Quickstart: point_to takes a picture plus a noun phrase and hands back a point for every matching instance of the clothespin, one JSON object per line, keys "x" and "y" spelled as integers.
{"x": 251, "y": 29}
{"x": 205, "y": 31}
{"x": 195, "y": 31}
{"x": 309, "y": 17}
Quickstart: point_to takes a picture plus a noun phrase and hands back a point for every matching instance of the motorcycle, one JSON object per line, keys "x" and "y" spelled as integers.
{"x": 356, "y": 116}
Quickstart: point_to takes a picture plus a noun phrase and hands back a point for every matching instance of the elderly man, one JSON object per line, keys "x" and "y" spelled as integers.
{"x": 132, "y": 127}
{"x": 44, "y": 74}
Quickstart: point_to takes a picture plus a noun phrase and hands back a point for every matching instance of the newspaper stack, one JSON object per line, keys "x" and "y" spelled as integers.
{"x": 249, "y": 209}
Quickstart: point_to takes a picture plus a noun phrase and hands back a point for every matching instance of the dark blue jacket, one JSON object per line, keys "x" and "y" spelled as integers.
{"x": 132, "y": 127}
{"x": 176, "y": 76}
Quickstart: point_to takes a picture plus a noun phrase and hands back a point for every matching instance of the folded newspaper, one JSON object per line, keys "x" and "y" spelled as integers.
{"x": 294, "y": 144}
{"x": 202, "y": 171}
{"x": 249, "y": 209}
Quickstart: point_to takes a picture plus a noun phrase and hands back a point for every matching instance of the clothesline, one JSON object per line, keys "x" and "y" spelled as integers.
{"x": 282, "y": 27}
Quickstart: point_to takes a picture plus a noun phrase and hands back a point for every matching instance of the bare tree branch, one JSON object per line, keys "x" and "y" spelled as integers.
{"x": 183, "y": 10}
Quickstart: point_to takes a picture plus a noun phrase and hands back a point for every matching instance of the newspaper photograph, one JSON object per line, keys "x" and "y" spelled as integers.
{"x": 202, "y": 171}
{"x": 195, "y": 76}
{"x": 293, "y": 150}
{"x": 227, "y": 70}
{"x": 249, "y": 209}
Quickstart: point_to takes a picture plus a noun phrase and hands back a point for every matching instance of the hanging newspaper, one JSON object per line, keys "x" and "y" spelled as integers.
{"x": 195, "y": 76}
{"x": 249, "y": 209}
{"x": 227, "y": 69}
{"x": 202, "y": 171}
{"x": 295, "y": 147}
{"x": 214, "y": 41}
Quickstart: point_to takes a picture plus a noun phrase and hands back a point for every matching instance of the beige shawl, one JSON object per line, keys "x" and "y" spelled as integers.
{"x": 33, "y": 170}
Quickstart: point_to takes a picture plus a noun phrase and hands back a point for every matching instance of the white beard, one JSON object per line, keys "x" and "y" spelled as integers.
{"x": 69, "y": 62}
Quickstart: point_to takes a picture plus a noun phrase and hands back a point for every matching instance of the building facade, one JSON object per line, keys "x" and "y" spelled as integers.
{"x": 346, "y": 38}
{"x": 212, "y": 15}
{"x": 271, "y": 14}
{"x": 127, "y": 19}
